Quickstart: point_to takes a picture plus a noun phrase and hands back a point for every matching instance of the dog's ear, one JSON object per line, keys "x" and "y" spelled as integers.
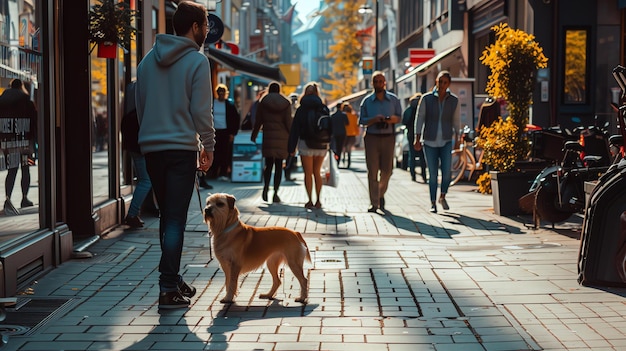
{"x": 231, "y": 201}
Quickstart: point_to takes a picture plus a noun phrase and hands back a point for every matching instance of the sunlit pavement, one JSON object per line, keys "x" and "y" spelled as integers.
{"x": 464, "y": 279}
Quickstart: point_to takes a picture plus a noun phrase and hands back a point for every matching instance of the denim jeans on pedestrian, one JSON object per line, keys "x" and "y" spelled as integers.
{"x": 173, "y": 175}
{"x": 142, "y": 188}
{"x": 437, "y": 157}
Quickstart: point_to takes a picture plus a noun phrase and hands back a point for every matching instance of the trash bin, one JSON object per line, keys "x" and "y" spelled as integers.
{"x": 602, "y": 254}
{"x": 247, "y": 158}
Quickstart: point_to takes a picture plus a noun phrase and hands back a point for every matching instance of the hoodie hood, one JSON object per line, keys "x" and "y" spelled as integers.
{"x": 170, "y": 48}
{"x": 310, "y": 101}
{"x": 275, "y": 102}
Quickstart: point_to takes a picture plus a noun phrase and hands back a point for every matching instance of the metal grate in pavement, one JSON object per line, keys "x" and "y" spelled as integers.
{"x": 30, "y": 313}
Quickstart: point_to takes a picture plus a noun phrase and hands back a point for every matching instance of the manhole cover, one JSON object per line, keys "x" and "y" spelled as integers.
{"x": 329, "y": 260}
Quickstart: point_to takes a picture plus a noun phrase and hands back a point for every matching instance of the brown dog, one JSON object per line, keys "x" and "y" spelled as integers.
{"x": 241, "y": 248}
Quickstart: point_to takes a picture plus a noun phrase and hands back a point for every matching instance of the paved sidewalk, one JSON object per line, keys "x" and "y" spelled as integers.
{"x": 463, "y": 279}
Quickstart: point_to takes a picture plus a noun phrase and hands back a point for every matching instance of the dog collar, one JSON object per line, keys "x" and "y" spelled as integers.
{"x": 230, "y": 227}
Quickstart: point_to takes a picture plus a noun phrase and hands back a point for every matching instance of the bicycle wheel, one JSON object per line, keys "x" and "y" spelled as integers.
{"x": 547, "y": 207}
{"x": 459, "y": 163}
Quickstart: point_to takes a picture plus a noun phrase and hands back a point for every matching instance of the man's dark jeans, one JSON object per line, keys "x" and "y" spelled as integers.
{"x": 173, "y": 175}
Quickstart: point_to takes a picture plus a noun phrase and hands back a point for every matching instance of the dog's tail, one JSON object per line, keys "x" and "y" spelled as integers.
{"x": 306, "y": 247}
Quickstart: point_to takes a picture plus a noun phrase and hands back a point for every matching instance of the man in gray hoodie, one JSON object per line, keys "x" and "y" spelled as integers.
{"x": 174, "y": 98}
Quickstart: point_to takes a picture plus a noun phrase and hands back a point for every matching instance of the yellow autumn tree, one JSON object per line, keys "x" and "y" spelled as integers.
{"x": 513, "y": 60}
{"x": 342, "y": 20}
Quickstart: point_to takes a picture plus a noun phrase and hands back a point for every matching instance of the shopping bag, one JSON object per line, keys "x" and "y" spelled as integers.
{"x": 330, "y": 171}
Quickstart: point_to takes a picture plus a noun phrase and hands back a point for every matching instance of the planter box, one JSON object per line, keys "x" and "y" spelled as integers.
{"x": 507, "y": 188}
{"x": 107, "y": 50}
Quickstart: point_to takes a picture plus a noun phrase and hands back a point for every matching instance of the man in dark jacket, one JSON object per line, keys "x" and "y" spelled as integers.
{"x": 408, "y": 119}
{"x": 340, "y": 121}
{"x": 15, "y": 103}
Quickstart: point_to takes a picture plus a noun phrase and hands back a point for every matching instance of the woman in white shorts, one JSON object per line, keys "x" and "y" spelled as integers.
{"x": 311, "y": 157}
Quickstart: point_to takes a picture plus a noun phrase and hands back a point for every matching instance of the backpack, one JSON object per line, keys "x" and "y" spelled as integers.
{"x": 318, "y": 128}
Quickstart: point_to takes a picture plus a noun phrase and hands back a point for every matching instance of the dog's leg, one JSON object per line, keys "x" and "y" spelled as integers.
{"x": 273, "y": 263}
{"x": 232, "y": 276}
{"x": 295, "y": 264}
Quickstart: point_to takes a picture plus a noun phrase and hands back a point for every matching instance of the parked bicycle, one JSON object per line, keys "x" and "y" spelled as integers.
{"x": 464, "y": 163}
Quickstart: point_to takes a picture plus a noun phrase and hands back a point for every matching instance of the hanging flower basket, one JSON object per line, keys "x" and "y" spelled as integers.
{"x": 107, "y": 49}
{"x": 110, "y": 26}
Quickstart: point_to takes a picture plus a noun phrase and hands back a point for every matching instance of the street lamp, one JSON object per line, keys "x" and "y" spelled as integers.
{"x": 367, "y": 10}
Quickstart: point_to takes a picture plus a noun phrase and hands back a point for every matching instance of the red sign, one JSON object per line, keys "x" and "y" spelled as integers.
{"x": 419, "y": 56}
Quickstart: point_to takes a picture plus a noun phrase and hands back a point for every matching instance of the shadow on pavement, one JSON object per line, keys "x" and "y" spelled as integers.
{"x": 413, "y": 226}
{"x": 169, "y": 333}
{"x": 481, "y": 224}
{"x": 231, "y": 317}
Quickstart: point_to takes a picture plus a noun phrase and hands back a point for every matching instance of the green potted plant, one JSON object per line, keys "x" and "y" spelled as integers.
{"x": 110, "y": 26}
{"x": 513, "y": 60}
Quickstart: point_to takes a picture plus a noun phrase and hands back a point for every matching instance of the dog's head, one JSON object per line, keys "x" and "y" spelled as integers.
{"x": 220, "y": 211}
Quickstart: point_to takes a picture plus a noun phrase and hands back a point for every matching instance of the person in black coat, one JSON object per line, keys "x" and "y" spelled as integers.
{"x": 15, "y": 103}
{"x": 340, "y": 121}
{"x": 408, "y": 119}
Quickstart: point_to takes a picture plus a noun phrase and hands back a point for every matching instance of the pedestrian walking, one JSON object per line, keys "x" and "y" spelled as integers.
{"x": 174, "y": 99}
{"x": 273, "y": 115}
{"x": 15, "y": 103}
{"x": 408, "y": 119}
{"x": 436, "y": 126}
{"x": 312, "y": 152}
{"x": 380, "y": 110}
{"x": 130, "y": 134}
{"x": 250, "y": 119}
{"x": 291, "y": 163}
{"x": 340, "y": 121}
{"x": 352, "y": 132}
{"x": 226, "y": 123}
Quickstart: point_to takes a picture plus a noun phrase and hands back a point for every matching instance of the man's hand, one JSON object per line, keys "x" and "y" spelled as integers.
{"x": 205, "y": 160}
{"x": 417, "y": 145}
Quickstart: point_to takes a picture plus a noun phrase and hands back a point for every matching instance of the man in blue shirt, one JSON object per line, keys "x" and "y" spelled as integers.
{"x": 380, "y": 110}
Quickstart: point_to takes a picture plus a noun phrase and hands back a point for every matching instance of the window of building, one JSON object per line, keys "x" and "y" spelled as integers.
{"x": 21, "y": 73}
{"x": 576, "y": 65}
{"x": 410, "y": 17}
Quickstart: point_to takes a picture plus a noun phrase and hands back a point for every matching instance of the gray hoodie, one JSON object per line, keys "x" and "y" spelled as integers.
{"x": 174, "y": 97}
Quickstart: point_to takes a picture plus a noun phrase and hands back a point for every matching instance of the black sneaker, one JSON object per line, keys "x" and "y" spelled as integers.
{"x": 382, "y": 203}
{"x": 26, "y": 203}
{"x": 186, "y": 290}
{"x": 133, "y": 221}
{"x": 172, "y": 300}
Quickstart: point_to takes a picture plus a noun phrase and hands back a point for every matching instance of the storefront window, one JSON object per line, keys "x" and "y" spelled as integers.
{"x": 575, "y": 75}
{"x": 100, "y": 129}
{"x": 20, "y": 114}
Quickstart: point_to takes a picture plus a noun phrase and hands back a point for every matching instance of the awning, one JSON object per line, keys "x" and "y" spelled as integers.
{"x": 424, "y": 67}
{"x": 245, "y": 66}
{"x": 350, "y": 98}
